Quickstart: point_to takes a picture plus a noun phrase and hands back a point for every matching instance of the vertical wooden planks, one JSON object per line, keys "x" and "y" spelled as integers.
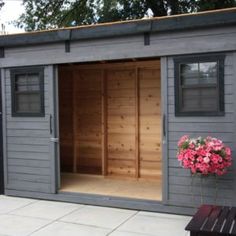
{"x": 74, "y": 112}
{"x": 137, "y": 161}
{"x": 65, "y": 87}
{"x": 89, "y": 120}
{"x": 121, "y": 121}
{"x": 150, "y": 121}
{"x": 104, "y": 123}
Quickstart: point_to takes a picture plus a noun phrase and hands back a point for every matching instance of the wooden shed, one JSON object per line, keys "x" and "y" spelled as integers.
{"x": 93, "y": 114}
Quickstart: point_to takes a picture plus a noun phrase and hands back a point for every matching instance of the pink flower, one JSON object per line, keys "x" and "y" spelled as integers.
{"x": 205, "y": 156}
{"x": 228, "y": 151}
{"x": 200, "y": 159}
{"x": 206, "y": 159}
{"x": 182, "y": 140}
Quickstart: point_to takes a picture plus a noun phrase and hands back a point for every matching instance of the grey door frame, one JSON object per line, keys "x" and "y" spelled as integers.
{"x": 53, "y": 127}
{"x": 56, "y": 127}
{"x": 1, "y": 143}
{"x": 164, "y": 108}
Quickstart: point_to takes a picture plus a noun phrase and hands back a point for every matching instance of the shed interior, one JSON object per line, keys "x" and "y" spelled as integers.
{"x": 110, "y": 128}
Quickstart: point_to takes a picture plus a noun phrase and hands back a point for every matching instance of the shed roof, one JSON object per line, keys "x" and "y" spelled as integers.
{"x": 200, "y": 20}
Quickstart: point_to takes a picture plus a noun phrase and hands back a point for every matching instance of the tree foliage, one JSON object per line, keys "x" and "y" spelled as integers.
{"x": 46, "y": 14}
{"x": 1, "y": 4}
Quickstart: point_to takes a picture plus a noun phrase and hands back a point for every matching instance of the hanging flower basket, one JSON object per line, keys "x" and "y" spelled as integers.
{"x": 205, "y": 156}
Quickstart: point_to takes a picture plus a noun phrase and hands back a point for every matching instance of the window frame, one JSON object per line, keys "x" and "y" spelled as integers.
{"x": 220, "y": 59}
{"x": 27, "y": 70}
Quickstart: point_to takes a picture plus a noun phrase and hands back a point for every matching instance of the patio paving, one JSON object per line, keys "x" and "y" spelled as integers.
{"x": 26, "y": 217}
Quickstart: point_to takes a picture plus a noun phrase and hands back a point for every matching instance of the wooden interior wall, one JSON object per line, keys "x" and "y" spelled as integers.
{"x": 87, "y": 121}
{"x": 150, "y": 122}
{"x": 121, "y": 121}
{"x": 110, "y": 119}
{"x": 65, "y": 88}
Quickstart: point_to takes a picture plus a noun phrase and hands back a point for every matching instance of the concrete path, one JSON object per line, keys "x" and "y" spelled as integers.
{"x": 24, "y": 217}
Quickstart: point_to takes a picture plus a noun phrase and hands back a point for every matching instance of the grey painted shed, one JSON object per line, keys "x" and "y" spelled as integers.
{"x": 30, "y": 141}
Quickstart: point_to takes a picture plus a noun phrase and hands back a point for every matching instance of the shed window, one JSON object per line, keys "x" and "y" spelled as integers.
{"x": 199, "y": 86}
{"x": 27, "y": 92}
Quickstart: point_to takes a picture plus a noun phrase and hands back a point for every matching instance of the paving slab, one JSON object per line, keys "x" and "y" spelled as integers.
{"x": 47, "y": 209}
{"x": 104, "y": 217}
{"x": 26, "y": 217}
{"x": 68, "y": 229}
{"x": 156, "y": 225}
{"x": 8, "y": 204}
{"x": 12, "y": 225}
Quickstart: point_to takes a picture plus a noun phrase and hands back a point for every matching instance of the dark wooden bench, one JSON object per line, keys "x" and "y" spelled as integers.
{"x": 213, "y": 220}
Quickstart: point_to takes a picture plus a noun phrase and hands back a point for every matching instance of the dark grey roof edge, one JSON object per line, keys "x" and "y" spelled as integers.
{"x": 191, "y": 21}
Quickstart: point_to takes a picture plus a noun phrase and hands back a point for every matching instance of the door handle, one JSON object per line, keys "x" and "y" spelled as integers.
{"x": 50, "y": 124}
{"x": 164, "y": 125}
{"x": 54, "y": 140}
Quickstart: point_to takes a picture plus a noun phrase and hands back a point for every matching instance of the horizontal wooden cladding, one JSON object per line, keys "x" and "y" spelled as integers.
{"x": 117, "y": 65}
{"x": 29, "y": 170}
{"x": 181, "y": 200}
{"x": 183, "y": 190}
{"x": 28, "y": 163}
{"x": 28, "y": 148}
{"x": 44, "y": 125}
{"x": 29, "y": 186}
{"x": 29, "y": 178}
{"x": 31, "y": 155}
{"x": 195, "y": 190}
{"x": 204, "y": 127}
{"x": 186, "y": 181}
{"x": 124, "y": 47}
{"x": 28, "y": 140}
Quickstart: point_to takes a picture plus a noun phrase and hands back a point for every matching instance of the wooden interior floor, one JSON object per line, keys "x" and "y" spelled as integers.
{"x": 93, "y": 184}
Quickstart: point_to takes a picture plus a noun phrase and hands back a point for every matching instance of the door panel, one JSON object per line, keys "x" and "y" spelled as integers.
{"x": 30, "y": 149}
{"x": 1, "y": 143}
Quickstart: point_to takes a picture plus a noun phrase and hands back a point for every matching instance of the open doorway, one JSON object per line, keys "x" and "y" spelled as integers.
{"x": 110, "y": 129}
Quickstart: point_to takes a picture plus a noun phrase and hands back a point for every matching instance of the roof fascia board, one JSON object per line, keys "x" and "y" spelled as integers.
{"x": 122, "y": 29}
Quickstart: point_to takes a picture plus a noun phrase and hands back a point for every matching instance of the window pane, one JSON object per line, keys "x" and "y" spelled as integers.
{"x": 33, "y": 82}
{"x": 28, "y": 82}
{"x": 200, "y": 99}
{"x": 21, "y": 104}
{"x": 199, "y": 88}
{"x": 195, "y": 73}
{"x": 21, "y": 83}
{"x": 208, "y": 72}
{"x": 28, "y": 103}
{"x": 27, "y": 91}
{"x": 189, "y": 73}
